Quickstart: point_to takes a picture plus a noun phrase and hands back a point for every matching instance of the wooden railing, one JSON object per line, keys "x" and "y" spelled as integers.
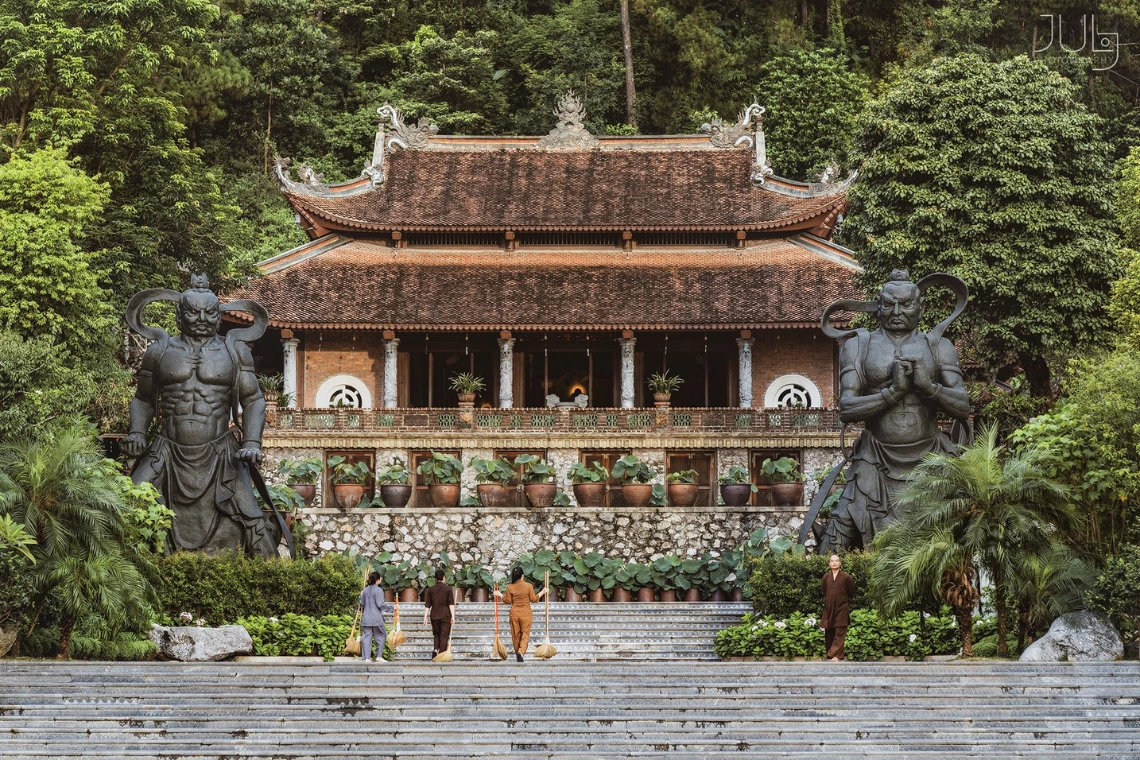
{"x": 563, "y": 420}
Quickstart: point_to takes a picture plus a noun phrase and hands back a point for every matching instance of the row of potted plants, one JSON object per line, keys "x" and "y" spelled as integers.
{"x": 591, "y": 576}
{"x": 495, "y": 478}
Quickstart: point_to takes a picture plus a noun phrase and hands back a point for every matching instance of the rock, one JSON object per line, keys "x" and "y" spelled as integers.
{"x": 1077, "y": 637}
{"x": 193, "y": 644}
{"x": 8, "y": 636}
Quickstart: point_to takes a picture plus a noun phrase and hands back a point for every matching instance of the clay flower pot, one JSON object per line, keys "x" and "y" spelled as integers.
{"x": 348, "y": 495}
{"x": 395, "y": 496}
{"x": 466, "y": 400}
{"x": 389, "y": 595}
{"x": 409, "y": 595}
{"x": 622, "y": 594}
{"x": 737, "y": 595}
{"x": 493, "y": 495}
{"x": 307, "y": 492}
{"x": 458, "y": 594}
{"x": 570, "y": 595}
{"x": 668, "y": 596}
{"x": 718, "y": 596}
{"x": 693, "y": 595}
{"x": 661, "y": 400}
{"x": 590, "y": 494}
{"x": 444, "y": 495}
{"x": 645, "y": 595}
{"x": 637, "y": 495}
{"x": 540, "y": 495}
{"x": 597, "y": 595}
{"x": 788, "y": 494}
{"x": 736, "y": 494}
{"x": 477, "y": 595}
{"x": 683, "y": 494}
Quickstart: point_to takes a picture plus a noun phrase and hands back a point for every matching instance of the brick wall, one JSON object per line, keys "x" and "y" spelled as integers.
{"x": 804, "y": 352}
{"x": 325, "y": 355}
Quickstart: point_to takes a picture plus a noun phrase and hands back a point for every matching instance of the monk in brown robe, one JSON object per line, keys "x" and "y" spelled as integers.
{"x": 838, "y": 591}
{"x": 439, "y": 604}
{"x": 520, "y": 595}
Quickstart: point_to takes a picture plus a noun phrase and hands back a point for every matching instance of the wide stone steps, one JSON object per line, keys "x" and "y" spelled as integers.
{"x": 569, "y": 709}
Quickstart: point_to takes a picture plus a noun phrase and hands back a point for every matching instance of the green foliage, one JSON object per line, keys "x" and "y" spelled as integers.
{"x": 394, "y": 474}
{"x": 16, "y": 592}
{"x": 561, "y": 499}
{"x": 682, "y": 476}
{"x": 1116, "y": 592}
{"x": 595, "y": 472}
{"x": 301, "y": 471}
{"x": 780, "y": 585}
{"x": 466, "y": 382}
{"x": 737, "y": 475}
{"x": 15, "y": 540}
{"x": 284, "y": 498}
{"x": 440, "y": 469}
{"x": 535, "y": 469}
{"x": 1007, "y": 406}
{"x": 148, "y": 520}
{"x": 301, "y": 635}
{"x": 995, "y": 172}
{"x": 869, "y": 637}
{"x": 1128, "y": 198}
{"x": 632, "y": 470}
{"x": 663, "y": 382}
{"x": 492, "y": 470}
{"x": 346, "y": 473}
{"x": 783, "y": 470}
{"x": 473, "y": 575}
{"x": 225, "y": 587}
{"x": 1125, "y": 306}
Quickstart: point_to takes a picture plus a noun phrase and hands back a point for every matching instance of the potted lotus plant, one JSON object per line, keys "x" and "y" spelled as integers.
{"x": 395, "y": 488}
{"x": 302, "y": 475}
{"x": 589, "y": 483}
{"x": 475, "y": 580}
{"x": 683, "y": 488}
{"x": 636, "y": 490}
{"x": 735, "y": 486}
{"x": 663, "y": 386}
{"x": 350, "y": 480}
{"x": 492, "y": 476}
{"x": 691, "y": 577}
{"x": 286, "y": 499}
{"x": 574, "y": 578}
{"x": 466, "y": 385}
{"x": 538, "y": 480}
{"x": 787, "y": 481}
{"x": 664, "y": 576}
{"x": 600, "y": 574}
{"x": 634, "y": 580}
{"x": 441, "y": 474}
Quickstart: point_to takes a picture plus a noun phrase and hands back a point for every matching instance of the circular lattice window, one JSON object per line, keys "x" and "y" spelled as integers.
{"x": 344, "y": 391}
{"x": 794, "y": 391}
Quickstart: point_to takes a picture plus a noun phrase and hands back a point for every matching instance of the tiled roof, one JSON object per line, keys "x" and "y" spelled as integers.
{"x": 527, "y": 189}
{"x": 363, "y": 285}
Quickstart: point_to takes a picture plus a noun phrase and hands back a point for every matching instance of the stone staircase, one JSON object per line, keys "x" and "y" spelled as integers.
{"x": 606, "y": 695}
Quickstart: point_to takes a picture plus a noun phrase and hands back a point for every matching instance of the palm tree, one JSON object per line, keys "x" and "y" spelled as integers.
{"x": 986, "y": 506}
{"x": 1047, "y": 585}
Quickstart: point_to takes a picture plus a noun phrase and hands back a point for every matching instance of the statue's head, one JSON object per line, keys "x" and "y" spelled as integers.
{"x": 199, "y": 312}
{"x": 900, "y": 303}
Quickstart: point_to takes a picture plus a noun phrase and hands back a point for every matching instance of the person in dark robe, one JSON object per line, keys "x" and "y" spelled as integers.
{"x": 439, "y": 604}
{"x": 838, "y": 591}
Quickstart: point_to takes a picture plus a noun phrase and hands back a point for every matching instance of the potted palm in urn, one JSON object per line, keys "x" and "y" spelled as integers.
{"x": 663, "y": 386}
{"x": 589, "y": 483}
{"x": 636, "y": 490}
{"x": 538, "y": 480}
{"x": 735, "y": 487}
{"x": 350, "y": 480}
{"x": 271, "y": 387}
{"x": 683, "y": 488}
{"x": 466, "y": 385}
{"x": 492, "y": 476}
{"x": 395, "y": 487}
{"x": 787, "y": 481}
{"x": 441, "y": 474}
{"x": 302, "y": 475}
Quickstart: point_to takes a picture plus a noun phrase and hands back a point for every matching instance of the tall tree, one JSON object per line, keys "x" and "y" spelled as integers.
{"x": 997, "y": 173}
{"x": 627, "y": 49}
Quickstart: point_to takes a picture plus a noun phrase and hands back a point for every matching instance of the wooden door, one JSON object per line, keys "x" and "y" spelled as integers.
{"x": 705, "y": 465}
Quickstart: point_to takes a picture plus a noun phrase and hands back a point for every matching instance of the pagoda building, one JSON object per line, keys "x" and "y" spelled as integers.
{"x": 564, "y": 271}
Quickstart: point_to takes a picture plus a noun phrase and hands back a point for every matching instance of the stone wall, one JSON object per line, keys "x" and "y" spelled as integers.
{"x": 497, "y": 537}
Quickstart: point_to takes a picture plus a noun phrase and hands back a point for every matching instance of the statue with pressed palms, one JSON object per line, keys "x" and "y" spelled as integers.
{"x": 896, "y": 380}
{"x": 193, "y": 384}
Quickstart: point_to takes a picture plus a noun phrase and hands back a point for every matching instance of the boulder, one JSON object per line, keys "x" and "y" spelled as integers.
{"x": 8, "y": 636}
{"x": 194, "y": 644}
{"x": 1077, "y": 637}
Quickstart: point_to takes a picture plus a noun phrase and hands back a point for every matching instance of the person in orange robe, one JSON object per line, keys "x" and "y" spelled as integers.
{"x": 520, "y": 595}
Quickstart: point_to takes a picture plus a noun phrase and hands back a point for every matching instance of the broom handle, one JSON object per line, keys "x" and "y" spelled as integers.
{"x": 547, "y": 600}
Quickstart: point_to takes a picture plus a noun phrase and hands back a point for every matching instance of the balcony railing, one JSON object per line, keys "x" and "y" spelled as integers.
{"x": 562, "y": 420}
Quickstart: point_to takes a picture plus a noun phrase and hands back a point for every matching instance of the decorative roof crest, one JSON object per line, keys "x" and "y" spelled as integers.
{"x": 309, "y": 177}
{"x": 722, "y": 135}
{"x": 570, "y": 131}
{"x": 405, "y": 137}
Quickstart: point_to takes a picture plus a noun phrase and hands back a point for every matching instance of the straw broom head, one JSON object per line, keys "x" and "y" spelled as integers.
{"x": 444, "y": 656}
{"x": 545, "y": 651}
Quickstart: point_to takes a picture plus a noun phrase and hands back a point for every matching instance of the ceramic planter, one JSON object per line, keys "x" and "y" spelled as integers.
{"x": 718, "y": 596}
{"x": 622, "y": 594}
{"x": 307, "y": 492}
{"x": 348, "y": 495}
{"x": 409, "y": 595}
{"x": 396, "y": 496}
{"x": 389, "y": 595}
{"x": 661, "y": 400}
{"x": 693, "y": 595}
{"x": 668, "y": 596}
{"x": 590, "y": 494}
{"x": 788, "y": 494}
{"x": 477, "y": 594}
{"x": 645, "y": 595}
{"x": 458, "y": 594}
{"x": 570, "y": 595}
{"x": 540, "y": 495}
{"x": 683, "y": 494}
{"x": 444, "y": 495}
{"x": 736, "y": 494}
{"x": 637, "y": 495}
{"x": 493, "y": 495}
{"x": 737, "y": 595}
{"x": 466, "y": 400}
{"x": 597, "y": 595}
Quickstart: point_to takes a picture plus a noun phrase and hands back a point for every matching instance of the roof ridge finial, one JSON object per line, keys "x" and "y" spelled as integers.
{"x": 570, "y": 131}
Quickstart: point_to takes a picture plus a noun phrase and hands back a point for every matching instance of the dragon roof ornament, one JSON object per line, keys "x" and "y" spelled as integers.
{"x": 570, "y": 131}
{"x": 749, "y": 131}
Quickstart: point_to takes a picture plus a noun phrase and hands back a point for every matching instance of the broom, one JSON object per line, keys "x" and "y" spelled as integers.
{"x": 545, "y": 650}
{"x": 396, "y": 637}
{"x": 445, "y": 655}
{"x": 498, "y": 651}
{"x": 352, "y": 644}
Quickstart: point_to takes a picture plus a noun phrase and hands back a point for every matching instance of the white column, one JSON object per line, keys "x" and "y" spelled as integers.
{"x": 627, "y": 372}
{"x": 745, "y": 349}
{"x": 506, "y": 373}
{"x": 390, "y": 371}
{"x": 289, "y": 350}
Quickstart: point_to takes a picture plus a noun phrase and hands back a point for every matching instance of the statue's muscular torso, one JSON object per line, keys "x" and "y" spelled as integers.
{"x": 195, "y": 383}
{"x": 913, "y": 419}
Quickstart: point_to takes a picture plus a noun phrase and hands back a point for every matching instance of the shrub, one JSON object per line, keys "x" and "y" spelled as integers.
{"x": 301, "y": 635}
{"x": 784, "y": 584}
{"x": 1117, "y": 591}
{"x": 225, "y": 587}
